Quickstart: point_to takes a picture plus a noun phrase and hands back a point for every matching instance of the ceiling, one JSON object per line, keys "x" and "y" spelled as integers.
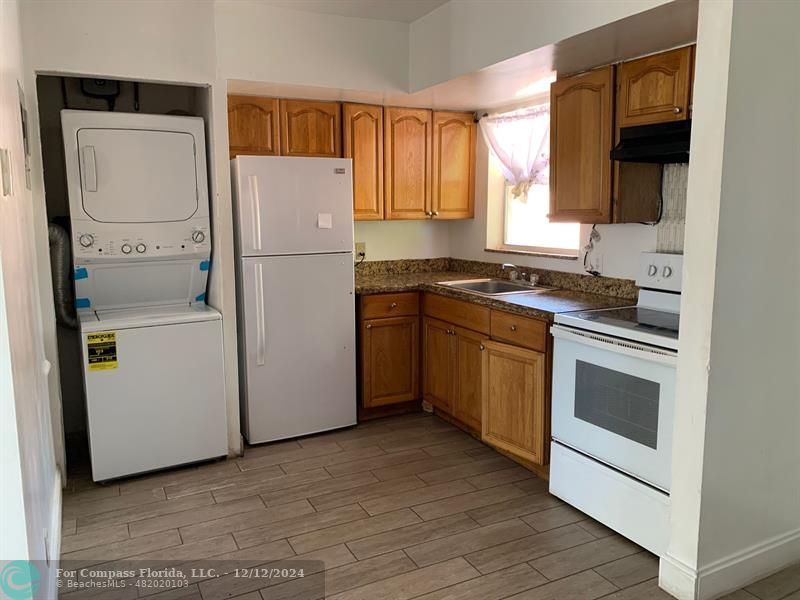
{"x": 404, "y": 11}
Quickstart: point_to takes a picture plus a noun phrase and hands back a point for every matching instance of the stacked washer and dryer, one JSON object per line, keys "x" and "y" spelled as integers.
{"x": 151, "y": 346}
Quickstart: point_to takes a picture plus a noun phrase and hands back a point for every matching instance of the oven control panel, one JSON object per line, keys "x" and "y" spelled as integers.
{"x": 659, "y": 271}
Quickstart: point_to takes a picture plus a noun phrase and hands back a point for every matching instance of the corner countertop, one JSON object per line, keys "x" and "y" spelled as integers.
{"x": 542, "y": 305}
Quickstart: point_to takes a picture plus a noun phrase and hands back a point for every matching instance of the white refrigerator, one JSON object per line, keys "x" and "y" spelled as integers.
{"x": 296, "y": 306}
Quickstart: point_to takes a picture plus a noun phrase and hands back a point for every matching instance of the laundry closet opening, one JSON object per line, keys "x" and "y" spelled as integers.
{"x": 54, "y": 94}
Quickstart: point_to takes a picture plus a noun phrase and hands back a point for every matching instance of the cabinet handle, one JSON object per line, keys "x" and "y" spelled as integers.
{"x": 428, "y": 213}
{"x": 677, "y": 110}
{"x": 483, "y": 347}
{"x": 513, "y": 328}
{"x": 393, "y": 305}
{"x": 368, "y": 326}
{"x": 435, "y": 213}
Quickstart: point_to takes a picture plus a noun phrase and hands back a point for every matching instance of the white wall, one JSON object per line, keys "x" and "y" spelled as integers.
{"x": 620, "y": 244}
{"x": 166, "y": 41}
{"x": 392, "y": 240}
{"x": 736, "y": 499}
{"x": 464, "y": 36}
{"x": 258, "y": 42}
{"x": 30, "y": 468}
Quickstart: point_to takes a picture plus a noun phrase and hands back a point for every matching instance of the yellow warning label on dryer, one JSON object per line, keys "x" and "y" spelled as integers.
{"x": 101, "y": 349}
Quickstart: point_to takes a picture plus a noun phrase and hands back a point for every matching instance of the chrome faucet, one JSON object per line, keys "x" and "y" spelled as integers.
{"x": 517, "y": 273}
{"x": 514, "y": 271}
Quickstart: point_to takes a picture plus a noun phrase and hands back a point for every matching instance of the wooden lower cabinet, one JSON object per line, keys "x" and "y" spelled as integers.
{"x": 452, "y": 370}
{"x": 513, "y": 400}
{"x": 389, "y": 361}
{"x": 437, "y": 351}
{"x": 467, "y": 377}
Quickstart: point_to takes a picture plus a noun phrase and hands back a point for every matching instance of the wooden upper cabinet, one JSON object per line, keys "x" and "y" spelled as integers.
{"x": 363, "y": 142}
{"x": 253, "y": 125}
{"x": 514, "y": 392}
{"x": 580, "y": 144}
{"x": 453, "y": 165}
{"x": 311, "y": 128}
{"x": 389, "y": 361}
{"x": 654, "y": 89}
{"x": 407, "y": 160}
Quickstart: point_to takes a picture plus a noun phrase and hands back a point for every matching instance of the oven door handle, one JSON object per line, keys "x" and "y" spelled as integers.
{"x": 617, "y": 345}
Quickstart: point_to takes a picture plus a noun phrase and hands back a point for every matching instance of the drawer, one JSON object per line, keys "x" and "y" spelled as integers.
{"x": 518, "y": 330}
{"x": 379, "y": 306}
{"x": 457, "y": 312}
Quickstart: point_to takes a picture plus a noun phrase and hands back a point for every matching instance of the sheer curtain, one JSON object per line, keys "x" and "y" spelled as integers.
{"x": 521, "y": 141}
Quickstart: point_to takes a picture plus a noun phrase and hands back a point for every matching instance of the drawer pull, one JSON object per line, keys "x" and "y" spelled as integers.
{"x": 513, "y": 328}
{"x": 368, "y": 326}
{"x": 393, "y": 305}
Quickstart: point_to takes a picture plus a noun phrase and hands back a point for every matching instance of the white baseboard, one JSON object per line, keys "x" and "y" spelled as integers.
{"x": 677, "y": 578}
{"x": 732, "y": 572}
{"x": 54, "y": 539}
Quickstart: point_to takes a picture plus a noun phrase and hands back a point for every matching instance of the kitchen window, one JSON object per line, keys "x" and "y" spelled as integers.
{"x": 526, "y": 226}
{"x": 520, "y": 144}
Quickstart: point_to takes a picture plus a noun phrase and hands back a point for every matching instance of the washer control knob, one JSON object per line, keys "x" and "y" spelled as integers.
{"x": 126, "y": 248}
{"x": 140, "y": 248}
{"x": 86, "y": 240}
{"x": 652, "y": 270}
{"x": 198, "y": 236}
{"x": 667, "y": 272}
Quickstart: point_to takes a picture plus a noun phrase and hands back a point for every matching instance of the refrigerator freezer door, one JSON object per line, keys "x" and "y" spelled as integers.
{"x": 298, "y": 328}
{"x": 287, "y": 205}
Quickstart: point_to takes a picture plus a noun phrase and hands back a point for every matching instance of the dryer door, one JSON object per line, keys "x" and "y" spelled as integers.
{"x": 137, "y": 175}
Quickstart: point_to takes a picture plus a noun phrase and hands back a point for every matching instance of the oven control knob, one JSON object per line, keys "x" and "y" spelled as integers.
{"x": 667, "y": 272}
{"x": 140, "y": 248}
{"x": 198, "y": 237}
{"x": 86, "y": 240}
{"x": 126, "y": 248}
{"x": 652, "y": 270}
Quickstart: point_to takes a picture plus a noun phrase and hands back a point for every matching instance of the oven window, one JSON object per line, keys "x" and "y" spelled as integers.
{"x": 618, "y": 402}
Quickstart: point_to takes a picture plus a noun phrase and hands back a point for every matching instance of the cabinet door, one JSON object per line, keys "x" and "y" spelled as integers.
{"x": 580, "y": 144}
{"x": 513, "y": 397}
{"x": 311, "y": 128}
{"x": 438, "y": 350}
{"x": 252, "y": 125}
{"x": 390, "y": 360}
{"x": 363, "y": 142}
{"x": 654, "y": 89}
{"x": 407, "y": 156}
{"x": 453, "y": 165}
{"x": 467, "y": 373}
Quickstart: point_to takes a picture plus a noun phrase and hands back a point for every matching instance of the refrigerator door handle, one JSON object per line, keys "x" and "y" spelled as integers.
{"x": 261, "y": 334}
{"x": 255, "y": 207}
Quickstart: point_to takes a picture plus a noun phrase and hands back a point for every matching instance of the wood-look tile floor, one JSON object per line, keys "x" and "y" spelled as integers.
{"x": 398, "y": 508}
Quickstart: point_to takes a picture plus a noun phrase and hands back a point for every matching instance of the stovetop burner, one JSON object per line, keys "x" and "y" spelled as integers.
{"x": 655, "y": 322}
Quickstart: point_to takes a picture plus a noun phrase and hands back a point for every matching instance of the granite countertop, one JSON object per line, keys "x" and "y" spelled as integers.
{"x": 543, "y": 305}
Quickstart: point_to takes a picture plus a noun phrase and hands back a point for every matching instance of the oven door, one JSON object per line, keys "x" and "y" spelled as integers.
{"x": 613, "y": 400}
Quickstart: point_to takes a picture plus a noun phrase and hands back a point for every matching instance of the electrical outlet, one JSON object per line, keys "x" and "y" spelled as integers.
{"x": 361, "y": 250}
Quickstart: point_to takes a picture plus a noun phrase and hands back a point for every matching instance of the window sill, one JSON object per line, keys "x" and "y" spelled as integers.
{"x": 533, "y": 253}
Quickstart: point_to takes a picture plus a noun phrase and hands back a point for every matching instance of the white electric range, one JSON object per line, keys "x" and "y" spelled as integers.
{"x": 613, "y": 400}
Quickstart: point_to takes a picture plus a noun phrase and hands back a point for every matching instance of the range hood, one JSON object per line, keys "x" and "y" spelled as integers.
{"x": 662, "y": 143}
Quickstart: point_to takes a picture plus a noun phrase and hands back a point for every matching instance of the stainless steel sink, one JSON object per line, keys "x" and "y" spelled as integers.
{"x": 494, "y": 287}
